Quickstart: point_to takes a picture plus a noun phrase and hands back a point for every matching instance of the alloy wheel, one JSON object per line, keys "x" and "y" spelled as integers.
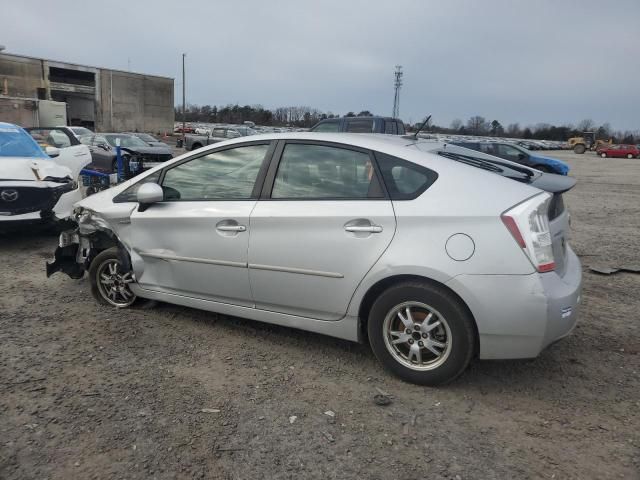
{"x": 113, "y": 284}
{"x": 417, "y": 336}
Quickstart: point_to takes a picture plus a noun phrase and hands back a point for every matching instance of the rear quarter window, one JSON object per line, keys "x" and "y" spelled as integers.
{"x": 404, "y": 180}
{"x": 360, "y": 126}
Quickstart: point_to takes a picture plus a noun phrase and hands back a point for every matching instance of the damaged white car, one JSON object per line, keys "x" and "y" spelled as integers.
{"x": 37, "y": 187}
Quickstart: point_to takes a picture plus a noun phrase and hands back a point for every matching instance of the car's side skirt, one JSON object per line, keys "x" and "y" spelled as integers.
{"x": 346, "y": 328}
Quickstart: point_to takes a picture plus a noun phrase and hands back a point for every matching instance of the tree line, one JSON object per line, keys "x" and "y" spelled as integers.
{"x": 305, "y": 116}
{"x": 478, "y": 125}
{"x": 295, "y": 116}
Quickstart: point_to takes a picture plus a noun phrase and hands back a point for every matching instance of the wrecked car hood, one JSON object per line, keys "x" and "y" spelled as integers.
{"x": 20, "y": 168}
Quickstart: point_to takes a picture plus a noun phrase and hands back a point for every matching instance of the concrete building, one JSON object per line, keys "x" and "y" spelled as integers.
{"x": 98, "y": 98}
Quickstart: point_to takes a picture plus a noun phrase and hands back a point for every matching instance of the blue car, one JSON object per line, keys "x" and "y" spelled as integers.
{"x": 518, "y": 154}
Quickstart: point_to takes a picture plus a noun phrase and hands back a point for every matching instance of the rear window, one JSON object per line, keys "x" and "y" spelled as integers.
{"x": 360, "y": 126}
{"x": 404, "y": 180}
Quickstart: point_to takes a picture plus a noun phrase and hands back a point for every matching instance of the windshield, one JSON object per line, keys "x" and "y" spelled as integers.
{"x": 146, "y": 137}
{"x": 125, "y": 141}
{"x": 15, "y": 142}
{"x": 81, "y": 131}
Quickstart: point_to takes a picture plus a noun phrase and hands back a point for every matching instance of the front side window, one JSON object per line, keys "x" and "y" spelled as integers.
{"x": 360, "y": 126}
{"x": 224, "y": 175}
{"x": 328, "y": 127}
{"x": 404, "y": 180}
{"x": 322, "y": 172}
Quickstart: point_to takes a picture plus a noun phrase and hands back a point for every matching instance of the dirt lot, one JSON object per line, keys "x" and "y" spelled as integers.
{"x": 91, "y": 392}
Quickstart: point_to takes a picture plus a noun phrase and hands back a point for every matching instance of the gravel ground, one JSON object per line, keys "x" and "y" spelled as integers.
{"x": 92, "y": 392}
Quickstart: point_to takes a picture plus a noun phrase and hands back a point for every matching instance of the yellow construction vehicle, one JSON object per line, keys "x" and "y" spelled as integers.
{"x": 586, "y": 142}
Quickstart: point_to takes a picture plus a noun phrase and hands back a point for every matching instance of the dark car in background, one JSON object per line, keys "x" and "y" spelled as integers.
{"x": 517, "y": 154}
{"x": 388, "y": 125}
{"x": 149, "y": 139}
{"x": 103, "y": 152}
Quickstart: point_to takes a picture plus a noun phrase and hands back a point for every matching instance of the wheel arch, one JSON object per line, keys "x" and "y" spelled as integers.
{"x": 381, "y": 285}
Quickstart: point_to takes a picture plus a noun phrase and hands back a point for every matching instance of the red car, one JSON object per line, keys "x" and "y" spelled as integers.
{"x": 628, "y": 151}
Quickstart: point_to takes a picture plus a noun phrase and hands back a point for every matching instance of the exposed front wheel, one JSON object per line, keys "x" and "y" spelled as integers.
{"x": 109, "y": 283}
{"x": 629, "y": 155}
{"x": 422, "y": 333}
{"x": 603, "y": 155}
{"x": 579, "y": 149}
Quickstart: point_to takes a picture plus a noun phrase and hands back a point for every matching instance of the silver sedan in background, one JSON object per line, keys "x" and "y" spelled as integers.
{"x": 433, "y": 254}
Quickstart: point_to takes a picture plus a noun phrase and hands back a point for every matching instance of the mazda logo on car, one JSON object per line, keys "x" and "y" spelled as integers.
{"x": 9, "y": 195}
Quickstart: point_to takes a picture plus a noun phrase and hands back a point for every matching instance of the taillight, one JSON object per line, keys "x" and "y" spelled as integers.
{"x": 528, "y": 223}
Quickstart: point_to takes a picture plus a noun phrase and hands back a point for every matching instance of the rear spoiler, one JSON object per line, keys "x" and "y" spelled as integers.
{"x": 552, "y": 183}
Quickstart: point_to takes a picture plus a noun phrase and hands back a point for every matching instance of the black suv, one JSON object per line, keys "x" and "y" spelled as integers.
{"x": 388, "y": 125}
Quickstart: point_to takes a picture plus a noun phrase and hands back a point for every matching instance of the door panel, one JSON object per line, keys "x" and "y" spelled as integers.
{"x": 306, "y": 258}
{"x": 179, "y": 247}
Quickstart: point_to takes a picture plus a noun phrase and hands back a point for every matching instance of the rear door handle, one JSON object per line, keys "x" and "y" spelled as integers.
{"x": 363, "y": 228}
{"x": 231, "y": 228}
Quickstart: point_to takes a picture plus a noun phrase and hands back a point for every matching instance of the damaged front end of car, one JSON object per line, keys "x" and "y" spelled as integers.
{"x": 78, "y": 247}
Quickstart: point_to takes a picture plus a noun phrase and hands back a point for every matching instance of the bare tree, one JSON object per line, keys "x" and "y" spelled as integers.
{"x": 478, "y": 125}
{"x": 513, "y": 130}
{"x": 456, "y": 124}
{"x": 586, "y": 125}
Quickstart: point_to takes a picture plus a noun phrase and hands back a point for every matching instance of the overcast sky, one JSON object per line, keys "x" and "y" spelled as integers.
{"x": 532, "y": 61}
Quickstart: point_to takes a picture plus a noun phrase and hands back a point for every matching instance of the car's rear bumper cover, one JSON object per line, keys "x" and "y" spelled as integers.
{"x": 519, "y": 315}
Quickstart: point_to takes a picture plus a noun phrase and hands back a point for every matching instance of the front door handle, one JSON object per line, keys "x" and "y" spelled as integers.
{"x": 363, "y": 228}
{"x": 231, "y": 228}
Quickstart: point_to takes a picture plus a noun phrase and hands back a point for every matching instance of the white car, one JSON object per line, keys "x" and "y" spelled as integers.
{"x": 37, "y": 187}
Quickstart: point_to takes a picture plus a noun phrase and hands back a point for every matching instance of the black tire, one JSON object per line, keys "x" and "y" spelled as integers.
{"x": 579, "y": 149}
{"x": 447, "y": 307}
{"x": 543, "y": 168}
{"x": 111, "y": 254}
{"x": 195, "y": 146}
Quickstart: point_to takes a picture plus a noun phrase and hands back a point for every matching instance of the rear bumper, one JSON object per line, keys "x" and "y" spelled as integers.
{"x": 519, "y": 315}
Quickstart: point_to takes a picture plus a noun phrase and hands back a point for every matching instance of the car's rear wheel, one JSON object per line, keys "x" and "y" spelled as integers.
{"x": 603, "y": 155}
{"x": 422, "y": 333}
{"x": 580, "y": 149}
{"x": 109, "y": 283}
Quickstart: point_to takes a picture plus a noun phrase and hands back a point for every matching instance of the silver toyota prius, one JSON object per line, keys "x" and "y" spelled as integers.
{"x": 432, "y": 253}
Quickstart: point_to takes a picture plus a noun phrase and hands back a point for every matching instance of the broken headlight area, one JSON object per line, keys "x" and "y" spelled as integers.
{"x": 78, "y": 247}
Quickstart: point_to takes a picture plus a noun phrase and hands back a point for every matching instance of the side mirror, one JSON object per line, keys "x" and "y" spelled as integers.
{"x": 104, "y": 146}
{"x": 148, "y": 194}
{"x": 53, "y": 152}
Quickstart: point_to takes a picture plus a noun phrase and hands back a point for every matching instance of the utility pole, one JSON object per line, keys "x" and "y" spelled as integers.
{"x": 397, "y": 84}
{"x": 184, "y": 101}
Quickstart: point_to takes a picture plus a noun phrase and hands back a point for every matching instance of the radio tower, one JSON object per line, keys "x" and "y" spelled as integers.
{"x": 397, "y": 83}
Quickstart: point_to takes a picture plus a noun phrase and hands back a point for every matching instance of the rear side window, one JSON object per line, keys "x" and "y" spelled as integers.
{"x": 325, "y": 172}
{"x": 360, "y": 126}
{"x": 404, "y": 180}
{"x": 328, "y": 127}
{"x": 390, "y": 128}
